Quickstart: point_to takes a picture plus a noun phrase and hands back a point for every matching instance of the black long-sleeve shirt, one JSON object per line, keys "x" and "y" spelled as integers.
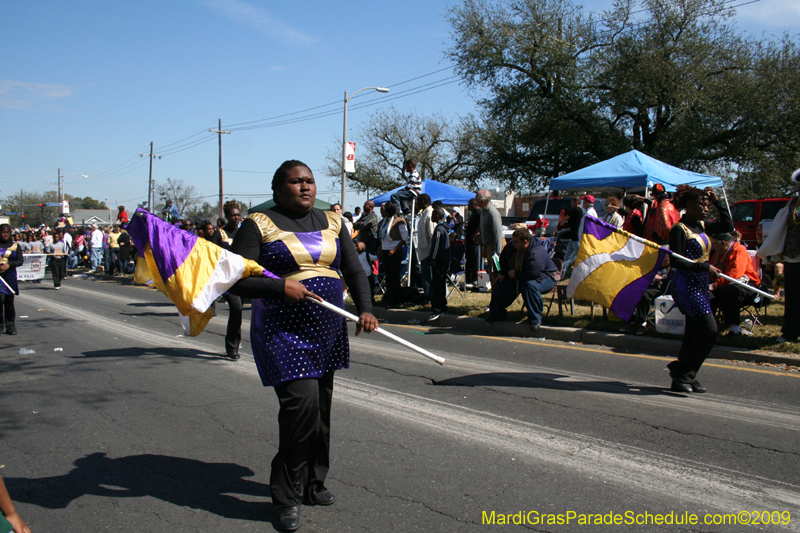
{"x": 247, "y": 243}
{"x": 677, "y": 238}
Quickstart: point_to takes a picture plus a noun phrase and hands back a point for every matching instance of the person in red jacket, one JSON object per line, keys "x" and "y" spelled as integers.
{"x": 734, "y": 261}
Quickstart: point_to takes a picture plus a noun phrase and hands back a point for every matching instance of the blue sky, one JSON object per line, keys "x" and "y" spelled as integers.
{"x": 86, "y": 85}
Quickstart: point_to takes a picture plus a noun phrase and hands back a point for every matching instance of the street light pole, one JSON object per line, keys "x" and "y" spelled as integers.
{"x": 344, "y": 139}
{"x": 61, "y": 180}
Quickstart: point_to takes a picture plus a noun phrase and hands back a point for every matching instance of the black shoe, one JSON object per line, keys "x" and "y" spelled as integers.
{"x": 436, "y": 315}
{"x": 678, "y": 386}
{"x": 696, "y": 387}
{"x": 641, "y": 330}
{"x": 323, "y": 498}
{"x": 11, "y": 330}
{"x": 535, "y": 327}
{"x": 290, "y": 518}
{"x": 625, "y": 328}
{"x": 731, "y": 334}
{"x": 233, "y": 355}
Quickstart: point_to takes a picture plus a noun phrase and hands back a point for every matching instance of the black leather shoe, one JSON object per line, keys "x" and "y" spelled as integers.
{"x": 290, "y": 518}
{"x": 324, "y": 498}
{"x": 677, "y": 386}
{"x": 11, "y": 330}
{"x": 696, "y": 387}
{"x": 233, "y": 355}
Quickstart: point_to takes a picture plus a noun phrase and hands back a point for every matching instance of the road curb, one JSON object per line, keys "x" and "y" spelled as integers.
{"x": 584, "y": 336}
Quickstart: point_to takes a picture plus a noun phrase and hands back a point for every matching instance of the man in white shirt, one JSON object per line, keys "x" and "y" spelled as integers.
{"x": 424, "y": 234}
{"x": 96, "y": 246}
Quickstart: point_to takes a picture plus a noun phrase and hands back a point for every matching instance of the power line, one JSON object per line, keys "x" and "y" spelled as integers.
{"x": 333, "y": 103}
{"x": 409, "y": 92}
{"x": 189, "y": 146}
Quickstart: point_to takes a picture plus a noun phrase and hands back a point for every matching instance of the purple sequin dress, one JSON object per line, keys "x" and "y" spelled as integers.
{"x": 301, "y": 340}
{"x": 9, "y": 252}
{"x": 690, "y": 289}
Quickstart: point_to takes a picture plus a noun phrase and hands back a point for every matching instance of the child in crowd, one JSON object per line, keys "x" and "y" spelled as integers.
{"x": 440, "y": 261}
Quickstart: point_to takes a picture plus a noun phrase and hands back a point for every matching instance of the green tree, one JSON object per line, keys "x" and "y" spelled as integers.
{"x": 562, "y": 90}
{"x": 76, "y": 202}
{"x": 204, "y": 212}
{"x": 28, "y": 203}
{"x": 446, "y": 150}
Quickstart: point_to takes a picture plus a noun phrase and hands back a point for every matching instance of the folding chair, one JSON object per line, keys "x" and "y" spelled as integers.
{"x": 457, "y": 282}
{"x": 559, "y": 294}
{"x": 756, "y": 306}
{"x": 380, "y": 283}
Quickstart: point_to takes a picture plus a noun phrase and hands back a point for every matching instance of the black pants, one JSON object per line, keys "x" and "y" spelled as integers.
{"x": 698, "y": 339}
{"x": 114, "y": 263}
{"x": 233, "y": 336}
{"x": 58, "y": 267}
{"x": 392, "y": 264}
{"x": 403, "y": 194}
{"x": 9, "y": 314}
{"x": 439, "y": 287}
{"x": 791, "y": 314}
{"x": 473, "y": 260}
{"x": 730, "y": 299}
{"x": 301, "y": 464}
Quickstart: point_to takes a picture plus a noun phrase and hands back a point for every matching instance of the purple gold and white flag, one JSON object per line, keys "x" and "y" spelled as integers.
{"x": 191, "y": 271}
{"x": 613, "y": 268}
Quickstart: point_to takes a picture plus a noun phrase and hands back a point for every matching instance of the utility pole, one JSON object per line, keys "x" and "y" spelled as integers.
{"x": 219, "y": 132}
{"x": 151, "y": 193}
{"x": 60, "y": 188}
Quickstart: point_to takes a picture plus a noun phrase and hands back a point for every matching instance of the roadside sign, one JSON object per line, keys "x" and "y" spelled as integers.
{"x": 53, "y": 204}
{"x": 9, "y": 213}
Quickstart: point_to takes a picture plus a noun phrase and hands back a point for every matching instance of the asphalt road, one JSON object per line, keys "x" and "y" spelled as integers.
{"x": 132, "y": 427}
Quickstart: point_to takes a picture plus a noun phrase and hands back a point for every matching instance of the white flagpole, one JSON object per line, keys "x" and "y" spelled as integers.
{"x": 679, "y": 256}
{"x": 7, "y": 285}
{"x": 330, "y": 307}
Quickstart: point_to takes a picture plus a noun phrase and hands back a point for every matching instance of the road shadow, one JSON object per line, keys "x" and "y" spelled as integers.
{"x": 176, "y": 480}
{"x": 138, "y": 351}
{"x": 542, "y": 380}
{"x": 173, "y": 314}
{"x": 153, "y": 304}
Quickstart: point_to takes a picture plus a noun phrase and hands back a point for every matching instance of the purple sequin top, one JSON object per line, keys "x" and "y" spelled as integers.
{"x": 302, "y": 340}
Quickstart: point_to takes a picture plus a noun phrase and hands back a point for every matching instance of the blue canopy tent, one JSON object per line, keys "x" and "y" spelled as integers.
{"x": 633, "y": 170}
{"x": 448, "y": 194}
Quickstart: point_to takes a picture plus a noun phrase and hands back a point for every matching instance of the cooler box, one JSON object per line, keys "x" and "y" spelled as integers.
{"x": 669, "y": 318}
{"x": 484, "y": 284}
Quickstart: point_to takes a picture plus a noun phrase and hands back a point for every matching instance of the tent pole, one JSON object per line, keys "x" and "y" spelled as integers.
{"x": 411, "y": 234}
{"x": 728, "y": 205}
{"x": 547, "y": 203}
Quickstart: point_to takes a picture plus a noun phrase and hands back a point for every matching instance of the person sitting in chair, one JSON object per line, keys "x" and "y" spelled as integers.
{"x": 734, "y": 261}
{"x": 525, "y": 267}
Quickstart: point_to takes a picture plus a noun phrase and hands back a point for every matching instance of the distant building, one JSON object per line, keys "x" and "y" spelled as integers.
{"x": 101, "y": 217}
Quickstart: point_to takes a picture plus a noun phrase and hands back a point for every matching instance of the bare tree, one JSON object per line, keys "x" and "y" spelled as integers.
{"x": 446, "y": 150}
{"x": 183, "y": 196}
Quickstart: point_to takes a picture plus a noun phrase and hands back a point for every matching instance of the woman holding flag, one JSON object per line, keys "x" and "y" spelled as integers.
{"x": 690, "y": 281}
{"x": 298, "y": 345}
{"x": 10, "y": 259}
